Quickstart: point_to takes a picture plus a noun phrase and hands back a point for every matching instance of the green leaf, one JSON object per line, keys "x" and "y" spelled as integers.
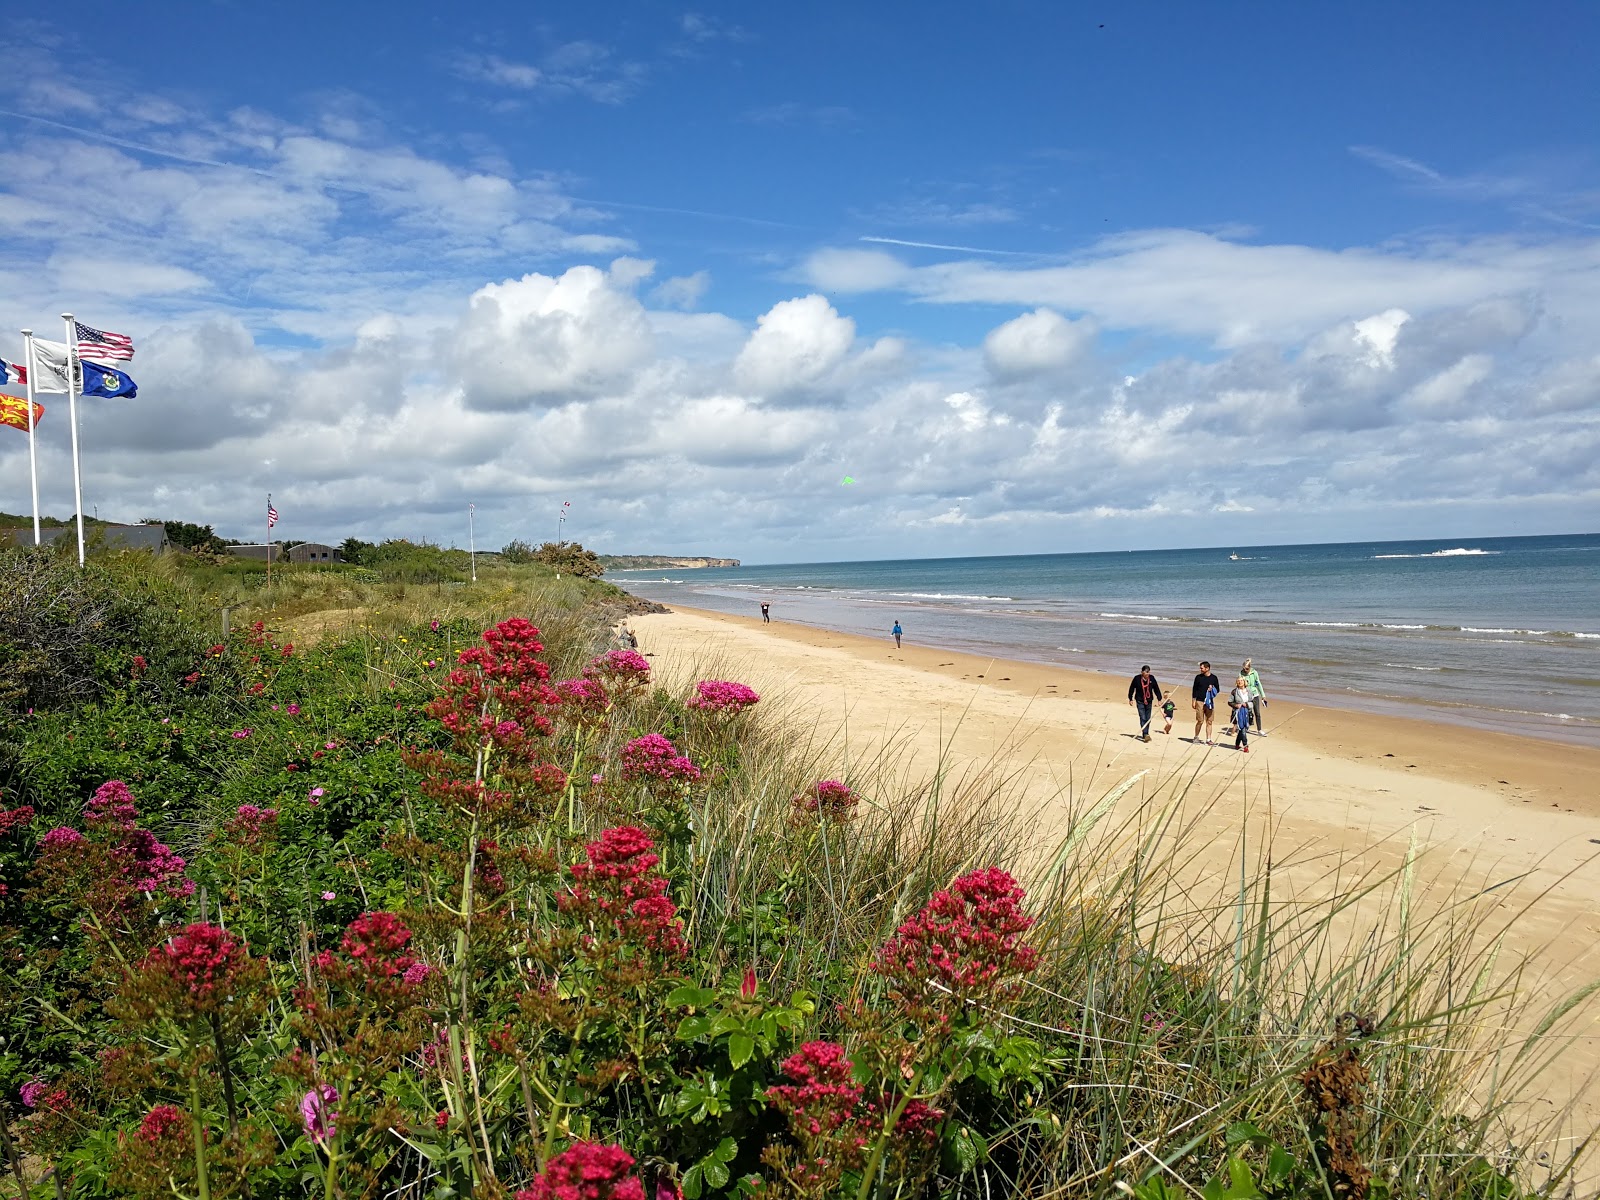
{"x": 1243, "y": 1131}
{"x": 727, "y": 1150}
{"x": 691, "y": 1183}
{"x": 1281, "y": 1166}
{"x": 691, "y": 997}
{"x": 716, "y": 1174}
{"x": 693, "y": 1028}
{"x": 740, "y": 1047}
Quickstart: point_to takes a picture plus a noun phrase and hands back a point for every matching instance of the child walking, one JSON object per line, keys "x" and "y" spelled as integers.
{"x": 1168, "y": 708}
{"x": 1239, "y": 702}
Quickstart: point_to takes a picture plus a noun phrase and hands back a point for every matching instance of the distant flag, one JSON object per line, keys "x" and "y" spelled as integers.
{"x": 272, "y": 514}
{"x": 848, "y": 479}
{"x": 97, "y": 343}
{"x": 14, "y": 373}
{"x": 14, "y": 412}
{"x": 106, "y": 381}
{"x": 49, "y": 365}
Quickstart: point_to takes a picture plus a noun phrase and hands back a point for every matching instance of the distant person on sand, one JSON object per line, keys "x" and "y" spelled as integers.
{"x": 766, "y": 613}
{"x": 1144, "y": 693}
{"x": 1207, "y": 687}
{"x": 1239, "y": 704}
{"x": 1258, "y": 694}
{"x": 897, "y": 631}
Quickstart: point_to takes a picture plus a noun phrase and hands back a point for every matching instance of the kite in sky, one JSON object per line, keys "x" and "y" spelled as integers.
{"x": 848, "y": 479}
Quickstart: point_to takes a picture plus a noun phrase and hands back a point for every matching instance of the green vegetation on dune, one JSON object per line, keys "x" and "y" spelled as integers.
{"x": 407, "y": 908}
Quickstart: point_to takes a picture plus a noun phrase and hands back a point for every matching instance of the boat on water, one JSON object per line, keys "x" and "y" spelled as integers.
{"x": 1234, "y": 557}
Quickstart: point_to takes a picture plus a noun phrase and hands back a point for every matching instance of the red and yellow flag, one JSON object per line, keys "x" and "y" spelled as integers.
{"x": 14, "y": 412}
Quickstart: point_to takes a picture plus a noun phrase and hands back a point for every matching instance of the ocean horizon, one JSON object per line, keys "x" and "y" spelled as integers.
{"x": 1499, "y": 633}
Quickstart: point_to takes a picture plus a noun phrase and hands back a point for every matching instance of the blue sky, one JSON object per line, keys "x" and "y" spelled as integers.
{"x": 1038, "y": 276}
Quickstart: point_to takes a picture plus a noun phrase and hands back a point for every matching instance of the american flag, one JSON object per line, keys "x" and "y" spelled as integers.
{"x": 272, "y": 514}
{"x": 97, "y": 345}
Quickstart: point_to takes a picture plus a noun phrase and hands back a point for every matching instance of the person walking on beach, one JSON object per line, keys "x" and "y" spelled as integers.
{"x": 897, "y": 631}
{"x": 1258, "y": 694}
{"x": 766, "y": 613}
{"x": 1207, "y": 687}
{"x": 1144, "y": 693}
{"x": 1169, "y": 709}
{"x": 1239, "y": 705}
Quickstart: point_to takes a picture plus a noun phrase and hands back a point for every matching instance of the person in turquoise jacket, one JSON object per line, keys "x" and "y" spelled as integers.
{"x": 1258, "y": 694}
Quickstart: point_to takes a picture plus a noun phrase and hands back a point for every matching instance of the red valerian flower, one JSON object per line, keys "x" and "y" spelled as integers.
{"x": 164, "y": 1122}
{"x": 966, "y": 938}
{"x": 112, "y": 804}
{"x": 824, "y": 1094}
{"x": 587, "y": 697}
{"x": 619, "y": 666}
{"x": 140, "y": 666}
{"x": 373, "y": 947}
{"x": 722, "y": 696}
{"x": 15, "y": 818}
{"x": 828, "y": 798}
{"x": 204, "y": 960}
{"x": 587, "y": 1171}
{"x": 653, "y": 757}
{"x": 619, "y": 880}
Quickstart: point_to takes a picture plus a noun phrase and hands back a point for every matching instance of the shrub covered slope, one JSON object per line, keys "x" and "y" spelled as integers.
{"x": 443, "y": 906}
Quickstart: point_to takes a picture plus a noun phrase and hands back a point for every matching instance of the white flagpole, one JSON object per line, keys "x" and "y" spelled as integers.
{"x": 269, "y": 544}
{"x": 472, "y": 542}
{"x": 33, "y": 453}
{"x": 72, "y": 407}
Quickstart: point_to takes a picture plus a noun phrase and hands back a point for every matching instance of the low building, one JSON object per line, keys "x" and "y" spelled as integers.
{"x": 258, "y": 552}
{"x": 314, "y": 552}
{"x": 97, "y": 539}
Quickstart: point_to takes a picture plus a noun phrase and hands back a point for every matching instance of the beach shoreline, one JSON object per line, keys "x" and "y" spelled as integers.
{"x": 1520, "y": 769}
{"x": 1330, "y": 795}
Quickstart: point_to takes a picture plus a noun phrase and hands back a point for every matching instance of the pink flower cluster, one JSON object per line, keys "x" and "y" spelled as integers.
{"x": 823, "y": 1096}
{"x": 722, "y": 696}
{"x": 251, "y": 825}
{"x": 373, "y": 946}
{"x": 587, "y": 1171}
{"x": 143, "y": 863}
{"x": 619, "y": 880}
{"x": 828, "y": 798}
{"x": 587, "y": 696}
{"x": 112, "y": 805}
{"x": 967, "y": 937}
{"x": 32, "y": 1091}
{"x": 164, "y": 1122}
{"x": 203, "y": 960}
{"x": 619, "y": 666}
{"x": 653, "y": 757}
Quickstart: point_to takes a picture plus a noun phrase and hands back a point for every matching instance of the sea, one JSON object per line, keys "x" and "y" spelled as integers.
{"x": 1495, "y": 633}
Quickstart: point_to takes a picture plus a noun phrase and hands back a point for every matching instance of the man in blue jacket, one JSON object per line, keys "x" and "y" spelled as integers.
{"x": 1144, "y": 693}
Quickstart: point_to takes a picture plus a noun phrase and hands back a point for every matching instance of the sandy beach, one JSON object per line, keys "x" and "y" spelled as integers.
{"x": 1480, "y": 808}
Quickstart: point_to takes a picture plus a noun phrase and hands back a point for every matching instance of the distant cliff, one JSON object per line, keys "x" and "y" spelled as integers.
{"x": 645, "y": 562}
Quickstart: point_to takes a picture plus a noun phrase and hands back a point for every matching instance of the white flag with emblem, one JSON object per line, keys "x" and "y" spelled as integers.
{"x": 50, "y": 366}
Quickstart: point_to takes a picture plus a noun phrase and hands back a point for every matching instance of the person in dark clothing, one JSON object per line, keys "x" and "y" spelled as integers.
{"x": 766, "y": 613}
{"x": 1144, "y": 693}
{"x": 1207, "y": 687}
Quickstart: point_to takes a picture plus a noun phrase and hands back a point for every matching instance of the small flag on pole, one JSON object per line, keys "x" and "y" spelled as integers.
{"x": 272, "y": 514}
{"x": 14, "y": 412}
{"x": 97, "y": 343}
{"x": 14, "y": 373}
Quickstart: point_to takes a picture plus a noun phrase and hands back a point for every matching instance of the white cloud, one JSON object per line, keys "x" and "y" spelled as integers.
{"x": 540, "y": 339}
{"x": 491, "y": 68}
{"x": 682, "y": 291}
{"x": 794, "y": 345}
{"x": 1036, "y": 343}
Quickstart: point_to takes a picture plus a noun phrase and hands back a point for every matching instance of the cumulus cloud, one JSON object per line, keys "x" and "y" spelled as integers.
{"x": 547, "y": 340}
{"x": 1036, "y": 343}
{"x": 795, "y": 344}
